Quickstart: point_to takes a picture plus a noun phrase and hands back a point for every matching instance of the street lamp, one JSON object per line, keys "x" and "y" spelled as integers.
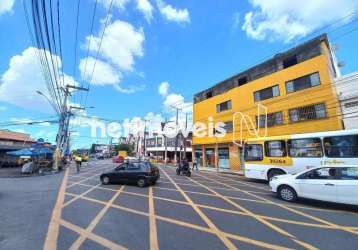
{"x": 48, "y": 99}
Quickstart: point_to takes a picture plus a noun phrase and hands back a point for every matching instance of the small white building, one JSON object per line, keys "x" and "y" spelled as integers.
{"x": 347, "y": 90}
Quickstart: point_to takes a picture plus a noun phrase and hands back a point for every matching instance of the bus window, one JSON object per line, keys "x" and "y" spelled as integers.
{"x": 275, "y": 148}
{"x": 341, "y": 146}
{"x": 310, "y": 147}
{"x": 253, "y": 152}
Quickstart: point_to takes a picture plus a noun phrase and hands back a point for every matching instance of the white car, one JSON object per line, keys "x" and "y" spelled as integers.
{"x": 326, "y": 183}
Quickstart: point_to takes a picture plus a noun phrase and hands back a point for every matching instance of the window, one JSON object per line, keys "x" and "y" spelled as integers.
{"x": 159, "y": 142}
{"x": 311, "y": 112}
{"x": 341, "y": 146}
{"x": 272, "y": 120}
{"x": 320, "y": 174}
{"x": 349, "y": 173}
{"x": 151, "y": 143}
{"x": 241, "y": 81}
{"x": 304, "y": 82}
{"x": 275, "y": 148}
{"x": 311, "y": 147}
{"x": 133, "y": 166}
{"x": 351, "y": 104}
{"x": 223, "y": 106}
{"x": 253, "y": 152}
{"x": 267, "y": 93}
{"x": 288, "y": 62}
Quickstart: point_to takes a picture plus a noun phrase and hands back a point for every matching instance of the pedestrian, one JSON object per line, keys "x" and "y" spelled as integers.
{"x": 78, "y": 160}
{"x": 195, "y": 164}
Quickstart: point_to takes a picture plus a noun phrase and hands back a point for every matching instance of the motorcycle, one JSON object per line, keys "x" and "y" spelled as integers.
{"x": 183, "y": 169}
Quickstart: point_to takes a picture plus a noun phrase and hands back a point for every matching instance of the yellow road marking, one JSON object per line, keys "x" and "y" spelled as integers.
{"x": 219, "y": 233}
{"x": 152, "y": 223}
{"x": 224, "y": 210}
{"x": 54, "y": 226}
{"x": 83, "y": 194}
{"x": 293, "y": 210}
{"x": 84, "y": 234}
{"x": 260, "y": 219}
{"x": 100, "y": 240}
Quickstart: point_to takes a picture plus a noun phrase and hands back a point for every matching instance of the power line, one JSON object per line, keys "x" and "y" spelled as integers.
{"x": 89, "y": 43}
{"x": 108, "y": 17}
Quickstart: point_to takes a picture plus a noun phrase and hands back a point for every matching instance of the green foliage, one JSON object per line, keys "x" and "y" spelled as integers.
{"x": 124, "y": 147}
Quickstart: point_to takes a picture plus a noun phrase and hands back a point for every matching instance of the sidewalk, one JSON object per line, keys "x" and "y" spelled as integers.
{"x": 215, "y": 170}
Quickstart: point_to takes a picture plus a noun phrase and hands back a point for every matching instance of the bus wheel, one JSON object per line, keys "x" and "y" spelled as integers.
{"x": 274, "y": 172}
{"x": 287, "y": 193}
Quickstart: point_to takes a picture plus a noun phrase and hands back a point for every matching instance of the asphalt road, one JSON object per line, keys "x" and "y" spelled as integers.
{"x": 206, "y": 211}
{"x": 26, "y": 205}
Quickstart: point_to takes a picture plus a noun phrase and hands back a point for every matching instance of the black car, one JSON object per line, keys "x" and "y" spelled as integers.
{"x": 140, "y": 173}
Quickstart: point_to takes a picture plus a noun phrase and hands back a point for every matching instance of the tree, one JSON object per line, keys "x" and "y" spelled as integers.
{"x": 124, "y": 147}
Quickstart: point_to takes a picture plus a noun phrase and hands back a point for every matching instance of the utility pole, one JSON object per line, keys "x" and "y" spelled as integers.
{"x": 145, "y": 138}
{"x": 184, "y": 138}
{"x": 62, "y": 135}
{"x": 176, "y": 137}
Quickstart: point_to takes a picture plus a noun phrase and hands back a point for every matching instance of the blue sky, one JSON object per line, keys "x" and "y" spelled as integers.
{"x": 189, "y": 45}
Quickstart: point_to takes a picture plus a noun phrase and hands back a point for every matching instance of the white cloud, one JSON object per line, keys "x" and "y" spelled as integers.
{"x": 130, "y": 89}
{"x": 116, "y": 3}
{"x": 104, "y": 73}
{"x": 18, "y": 85}
{"x": 146, "y": 8}
{"x": 285, "y": 20}
{"x": 172, "y": 14}
{"x": 121, "y": 44}
{"x": 174, "y": 100}
{"x": 6, "y": 6}
{"x": 163, "y": 89}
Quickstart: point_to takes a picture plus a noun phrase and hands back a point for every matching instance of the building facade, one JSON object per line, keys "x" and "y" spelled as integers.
{"x": 12, "y": 141}
{"x": 296, "y": 88}
{"x": 155, "y": 148}
{"x": 348, "y": 97}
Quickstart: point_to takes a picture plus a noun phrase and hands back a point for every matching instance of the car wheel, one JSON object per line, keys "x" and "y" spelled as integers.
{"x": 105, "y": 180}
{"x": 273, "y": 173}
{"x": 178, "y": 172}
{"x": 188, "y": 174}
{"x": 287, "y": 193}
{"x": 141, "y": 182}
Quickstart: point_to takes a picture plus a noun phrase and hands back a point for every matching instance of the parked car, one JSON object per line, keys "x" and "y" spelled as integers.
{"x": 132, "y": 172}
{"x": 117, "y": 159}
{"x": 326, "y": 183}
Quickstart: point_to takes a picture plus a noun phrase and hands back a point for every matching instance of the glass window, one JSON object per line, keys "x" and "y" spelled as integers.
{"x": 223, "y": 106}
{"x": 349, "y": 173}
{"x": 272, "y": 120}
{"x": 311, "y": 147}
{"x": 253, "y": 152}
{"x": 341, "y": 146}
{"x": 267, "y": 93}
{"x": 275, "y": 148}
{"x": 302, "y": 83}
{"x": 321, "y": 174}
{"x": 311, "y": 112}
{"x": 315, "y": 79}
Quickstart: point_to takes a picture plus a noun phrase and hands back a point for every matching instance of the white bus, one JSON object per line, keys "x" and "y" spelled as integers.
{"x": 266, "y": 157}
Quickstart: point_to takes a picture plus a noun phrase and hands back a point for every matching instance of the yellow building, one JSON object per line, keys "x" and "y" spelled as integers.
{"x": 296, "y": 87}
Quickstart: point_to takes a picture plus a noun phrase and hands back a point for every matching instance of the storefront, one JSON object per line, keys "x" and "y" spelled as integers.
{"x": 224, "y": 157}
